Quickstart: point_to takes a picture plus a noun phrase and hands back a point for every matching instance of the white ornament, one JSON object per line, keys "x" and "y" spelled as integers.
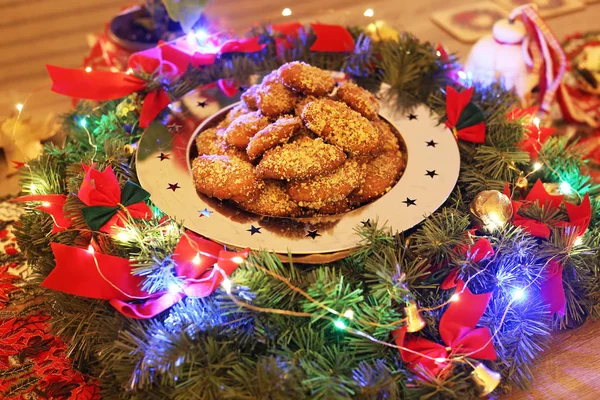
{"x": 503, "y": 56}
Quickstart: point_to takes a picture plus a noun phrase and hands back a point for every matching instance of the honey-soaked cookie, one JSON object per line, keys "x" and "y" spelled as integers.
{"x": 381, "y": 174}
{"x": 359, "y": 100}
{"x": 303, "y": 101}
{"x": 328, "y": 188}
{"x": 273, "y": 98}
{"x": 235, "y": 112}
{"x": 300, "y": 159}
{"x": 250, "y": 97}
{"x": 239, "y": 132}
{"x": 306, "y": 79}
{"x": 329, "y": 208}
{"x": 212, "y": 142}
{"x": 225, "y": 177}
{"x": 340, "y": 125}
{"x": 272, "y": 200}
{"x": 276, "y": 133}
{"x": 388, "y": 139}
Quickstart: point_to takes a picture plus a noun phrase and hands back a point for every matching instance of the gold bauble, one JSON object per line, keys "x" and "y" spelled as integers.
{"x": 414, "y": 321}
{"x": 486, "y": 379}
{"x": 491, "y": 209}
{"x": 554, "y": 189}
{"x": 379, "y": 31}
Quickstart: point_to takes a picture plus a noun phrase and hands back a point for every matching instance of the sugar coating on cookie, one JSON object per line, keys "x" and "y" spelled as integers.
{"x": 359, "y": 100}
{"x": 338, "y": 124}
{"x": 306, "y": 79}
{"x": 239, "y": 132}
{"x": 301, "y": 159}
{"x": 273, "y": 98}
{"x": 328, "y": 188}
{"x": 233, "y": 114}
{"x": 381, "y": 173}
{"x": 272, "y": 200}
{"x": 225, "y": 177}
{"x": 250, "y": 97}
{"x": 211, "y": 141}
{"x": 276, "y": 133}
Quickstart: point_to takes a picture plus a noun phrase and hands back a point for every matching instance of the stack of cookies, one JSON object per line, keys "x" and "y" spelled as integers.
{"x": 292, "y": 148}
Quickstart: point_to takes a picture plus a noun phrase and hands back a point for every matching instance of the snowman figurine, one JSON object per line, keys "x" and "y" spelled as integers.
{"x": 504, "y": 56}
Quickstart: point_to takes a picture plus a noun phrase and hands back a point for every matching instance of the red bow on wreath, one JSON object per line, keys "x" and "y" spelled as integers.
{"x": 201, "y": 266}
{"x": 163, "y": 61}
{"x": 465, "y": 119}
{"x": 458, "y": 332}
{"x": 52, "y": 204}
{"x": 107, "y": 204}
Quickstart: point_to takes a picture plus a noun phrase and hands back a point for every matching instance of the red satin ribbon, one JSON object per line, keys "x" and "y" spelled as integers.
{"x": 102, "y": 276}
{"x": 458, "y": 332}
{"x": 552, "y": 290}
{"x": 52, "y": 204}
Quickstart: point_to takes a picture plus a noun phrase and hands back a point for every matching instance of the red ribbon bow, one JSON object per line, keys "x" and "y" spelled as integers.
{"x": 103, "y": 189}
{"x": 86, "y": 273}
{"x": 104, "y": 85}
{"x": 465, "y": 119}
{"x": 458, "y": 333}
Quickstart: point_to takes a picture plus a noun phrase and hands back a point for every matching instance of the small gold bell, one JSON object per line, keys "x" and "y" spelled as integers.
{"x": 414, "y": 321}
{"x": 379, "y": 30}
{"x": 486, "y": 379}
{"x": 561, "y": 189}
{"x": 491, "y": 209}
{"x": 522, "y": 182}
{"x": 130, "y": 148}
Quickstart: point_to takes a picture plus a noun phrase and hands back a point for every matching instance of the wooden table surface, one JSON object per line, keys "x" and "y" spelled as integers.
{"x": 36, "y": 32}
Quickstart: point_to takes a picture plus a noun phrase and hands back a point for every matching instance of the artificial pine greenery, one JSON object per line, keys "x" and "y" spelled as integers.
{"x": 211, "y": 348}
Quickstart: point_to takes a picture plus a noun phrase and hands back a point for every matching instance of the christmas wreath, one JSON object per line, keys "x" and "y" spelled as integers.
{"x": 459, "y": 306}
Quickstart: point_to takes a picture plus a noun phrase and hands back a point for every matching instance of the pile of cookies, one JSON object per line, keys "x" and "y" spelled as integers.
{"x": 293, "y": 147}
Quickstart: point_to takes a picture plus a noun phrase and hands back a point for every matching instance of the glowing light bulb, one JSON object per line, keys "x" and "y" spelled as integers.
{"x": 565, "y": 188}
{"x": 462, "y": 75}
{"x": 440, "y": 360}
{"x": 19, "y": 107}
{"x": 173, "y": 288}
{"x": 226, "y": 285}
{"x": 537, "y": 166}
{"x": 83, "y": 122}
{"x": 129, "y": 71}
{"x": 123, "y": 236}
{"x": 578, "y": 241}
{"x": 196, "y": 259}
{"x": 455, "y": 297}
{"x": 518, "y": 294}
{"x": 88, "y": 69}
{"x": 237, "y": 259}
{"x": 369, "y": 12}
{"x": 349, "y": 314}
{"x": 32, "y": 187}
{"x": 339, "y": 324}
{"x": 286, "y": 12}
{"x": 201, "y": 35}
{"x": 495, "y": 221}
{"x": 90, "y": 249}
{"x": 438, "y": 53}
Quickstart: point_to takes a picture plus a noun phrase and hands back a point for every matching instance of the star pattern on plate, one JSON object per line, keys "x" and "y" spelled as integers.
{"x": 312, "y": 233}
{"x": 366, "y": 223}
{"x": 202, "y": 103}
{"x": 174, "y": 128}
{"x": 431, "y": 143}
{"x": 431, "y": 173}
{"x": 254, "y": 229}
{"x": 412, "y": 116}
{"x": 205, "y": 213}
{"x": 410, "y": 202}
{"x": 163, "y": 156}
{"x": 174, "y": 186}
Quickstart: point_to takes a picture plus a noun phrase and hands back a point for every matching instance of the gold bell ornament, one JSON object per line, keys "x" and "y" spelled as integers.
{"x": 486, "y": 379}
{"x": 522, "y": 182}
{"x": 414, "y": 321}
{"x": 379, "y": 31}
{"x": 491, "y": 209}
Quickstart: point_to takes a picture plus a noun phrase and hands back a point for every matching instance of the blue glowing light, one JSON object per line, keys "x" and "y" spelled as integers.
{"x": 201, "y": 35}
{"x": 83, "y": 122}
{"x": 518, "y": 294}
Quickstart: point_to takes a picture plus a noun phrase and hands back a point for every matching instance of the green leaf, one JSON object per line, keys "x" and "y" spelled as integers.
{"x": 186, "y": 12}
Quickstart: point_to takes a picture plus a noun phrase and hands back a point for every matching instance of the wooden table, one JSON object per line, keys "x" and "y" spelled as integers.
{"x": 36, "y": 32}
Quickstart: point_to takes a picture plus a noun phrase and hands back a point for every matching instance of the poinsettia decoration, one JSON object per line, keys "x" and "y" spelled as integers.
{"x": 535, "y": 136}
{"x": 107, "y": 204}
{"x": 465, "y": 118}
